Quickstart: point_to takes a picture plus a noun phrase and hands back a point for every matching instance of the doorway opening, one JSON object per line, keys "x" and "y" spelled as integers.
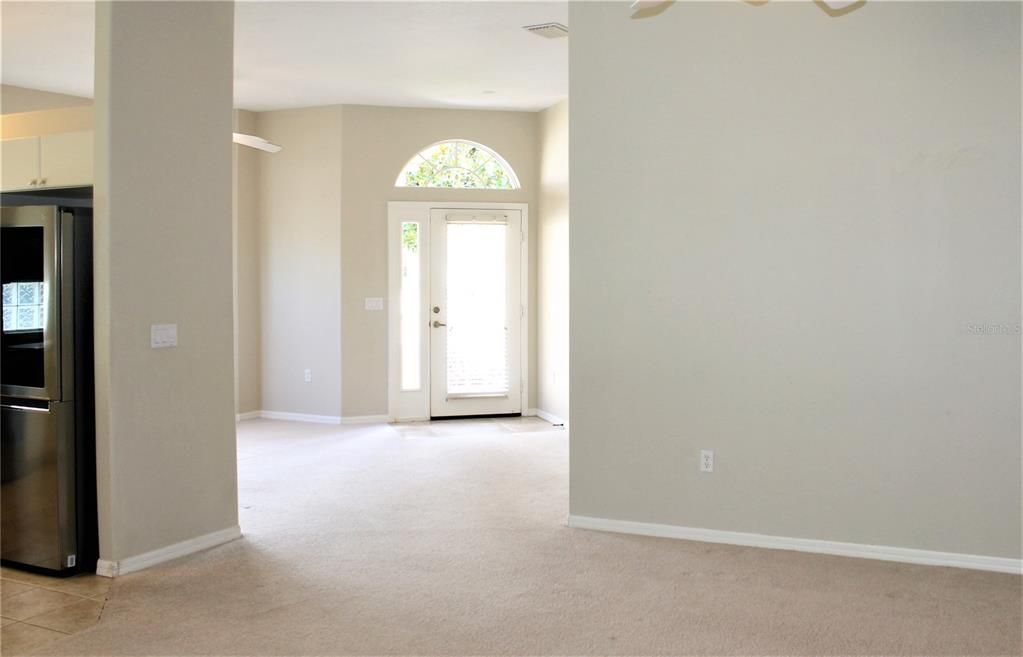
{"x": 458, "y": 339}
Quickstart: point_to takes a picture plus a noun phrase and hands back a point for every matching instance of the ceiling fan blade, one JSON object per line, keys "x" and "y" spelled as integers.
{"x": 252, "y": 141}
{"x": 835, "y": 8}
{"x": 648, "y": 8}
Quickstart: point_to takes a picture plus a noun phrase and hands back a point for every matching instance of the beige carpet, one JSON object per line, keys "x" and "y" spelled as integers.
{"x": 431, "y": 541}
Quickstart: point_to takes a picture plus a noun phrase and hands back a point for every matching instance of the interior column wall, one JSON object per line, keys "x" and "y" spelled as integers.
{"x": 167, "y": 467}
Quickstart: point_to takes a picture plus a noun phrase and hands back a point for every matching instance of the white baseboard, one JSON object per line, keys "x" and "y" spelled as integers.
{"x": 860, "y": 550}
{"x": 318, "y": 419}
{"x": 365, "y": 419}
{"x": 107, "y": 568}
{"x": 550, "y": 417}
{"x": 293, "y": 417}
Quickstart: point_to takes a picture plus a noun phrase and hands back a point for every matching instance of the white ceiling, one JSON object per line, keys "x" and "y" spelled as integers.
{"x": 300, "y": 54}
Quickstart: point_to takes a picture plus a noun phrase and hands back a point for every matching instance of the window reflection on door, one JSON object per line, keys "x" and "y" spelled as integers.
{"x": 23, "y": 306}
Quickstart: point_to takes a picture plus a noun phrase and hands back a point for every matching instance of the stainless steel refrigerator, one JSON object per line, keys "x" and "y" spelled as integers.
{"x": 48, "y": 460}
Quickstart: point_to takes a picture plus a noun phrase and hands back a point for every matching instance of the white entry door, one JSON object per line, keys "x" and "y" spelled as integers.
{"x": 475, "y": 313}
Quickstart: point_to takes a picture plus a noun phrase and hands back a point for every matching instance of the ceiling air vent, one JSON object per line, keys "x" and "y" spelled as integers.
{"x": 548, "y": 30}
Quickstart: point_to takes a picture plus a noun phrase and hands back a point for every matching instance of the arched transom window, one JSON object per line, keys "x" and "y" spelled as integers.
{"x": 457, "y": 164}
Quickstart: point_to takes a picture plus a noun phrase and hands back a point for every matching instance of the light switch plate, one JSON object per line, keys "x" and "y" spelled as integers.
{"x": 162, "y": 336}
{"x": 374, "y": 303}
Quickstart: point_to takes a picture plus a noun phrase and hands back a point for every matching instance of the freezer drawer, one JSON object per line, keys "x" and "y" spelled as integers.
{"x": 38, "y": 486}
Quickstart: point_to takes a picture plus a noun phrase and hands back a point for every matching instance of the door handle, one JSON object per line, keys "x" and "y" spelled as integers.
{"x": 437, "y": 324}
{"x": 19, "y": 407}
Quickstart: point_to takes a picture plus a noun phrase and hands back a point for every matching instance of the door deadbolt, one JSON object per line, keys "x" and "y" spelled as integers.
{"x": 436, "y": 309}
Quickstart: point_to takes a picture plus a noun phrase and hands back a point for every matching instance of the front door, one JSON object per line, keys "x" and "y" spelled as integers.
{"x": 475, "y": 313}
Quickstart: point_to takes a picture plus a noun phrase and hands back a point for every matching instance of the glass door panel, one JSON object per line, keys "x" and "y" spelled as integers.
{"x": 475, "y": 314}
{"x": 477, "y": 354}
{"x": 28, "y": 358}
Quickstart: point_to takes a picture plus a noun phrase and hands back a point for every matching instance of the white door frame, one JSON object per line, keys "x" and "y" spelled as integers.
{"x": 412, "y": 405}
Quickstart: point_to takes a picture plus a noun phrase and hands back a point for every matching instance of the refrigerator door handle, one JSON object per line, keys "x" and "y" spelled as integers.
{"x": 30, "y": 409}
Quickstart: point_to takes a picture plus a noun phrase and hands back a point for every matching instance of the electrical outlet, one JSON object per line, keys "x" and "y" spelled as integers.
{"x": 706, "y": 460}
{"x": 308, "y": 376}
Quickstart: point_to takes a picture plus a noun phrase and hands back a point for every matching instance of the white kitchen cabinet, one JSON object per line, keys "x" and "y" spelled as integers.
{"x": 49, "y": 161}
{"x": 19, "y": 163}
{"x": 65, "y": 159}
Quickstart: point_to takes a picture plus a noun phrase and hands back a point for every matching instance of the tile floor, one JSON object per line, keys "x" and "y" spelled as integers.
{"x": 36, "y": 610}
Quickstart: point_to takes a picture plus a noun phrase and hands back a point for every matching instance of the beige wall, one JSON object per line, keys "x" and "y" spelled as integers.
{"x": 46, "y": 122}
{"x": 247, "y": 290}
{"x": 300, "y": 260}
{"x": 786, "y": 229}
{"x": 552, "y": 285}
{"x": 20, "y": 99}
{"x": 378, "y": 142}
{"x": 167, "y": 465}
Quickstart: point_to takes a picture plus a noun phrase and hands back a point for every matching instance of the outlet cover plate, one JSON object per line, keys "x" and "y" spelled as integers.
{"x": 162, "y": 336}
